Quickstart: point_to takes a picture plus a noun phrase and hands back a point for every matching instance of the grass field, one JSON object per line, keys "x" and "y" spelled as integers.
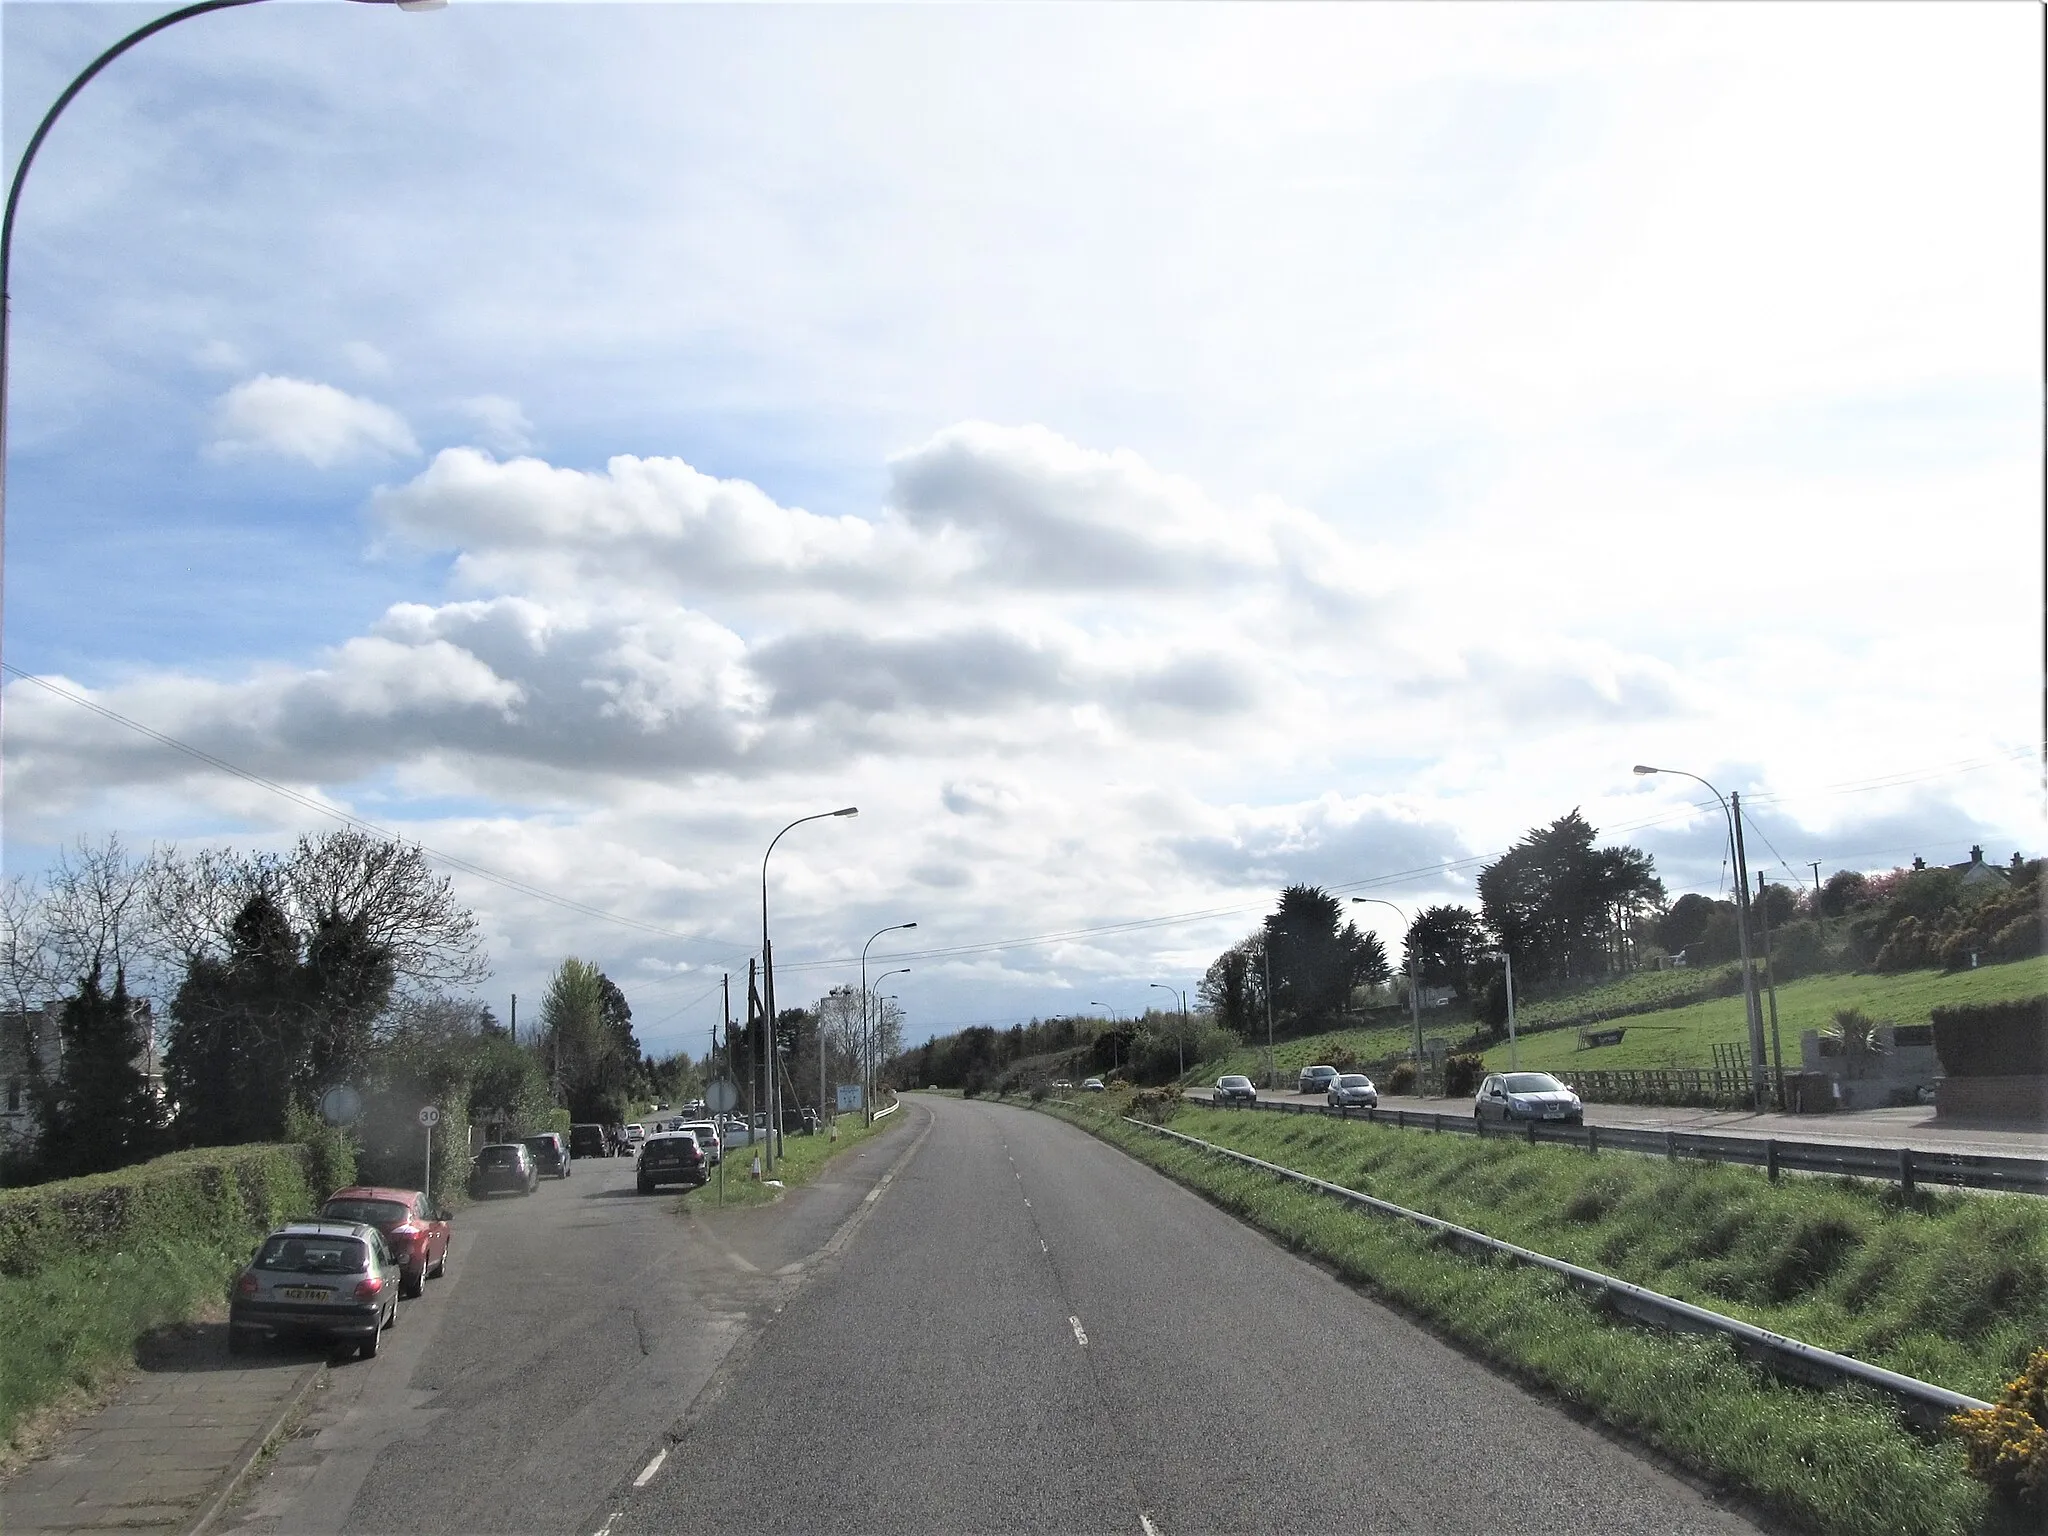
{"x": 1949, "y": 1287}
{"x": 1664, "y": 1036}
{"x": 1685, "y": 1037}
{"x": 802, "y": 1158}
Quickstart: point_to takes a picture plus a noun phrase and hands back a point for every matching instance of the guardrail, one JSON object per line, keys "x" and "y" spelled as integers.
{"x": 1904, "y": 1166}
{"x": 1922, "y": 1401}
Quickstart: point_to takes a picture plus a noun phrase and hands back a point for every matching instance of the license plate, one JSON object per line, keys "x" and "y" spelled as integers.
{"x": 304, "y": 1293}
{"x": 1554, "y": 1112}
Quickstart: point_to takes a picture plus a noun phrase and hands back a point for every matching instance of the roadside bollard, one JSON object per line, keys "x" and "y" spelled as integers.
{"x": 1771, "y": 1158}
{"x": 757, "y": 1167}
{"x": 1671, "y": 1145}
{"x": 1905, "y": 1170}
{"x": 1593, "y": 1140}
{"x": 1532, "y": 1133}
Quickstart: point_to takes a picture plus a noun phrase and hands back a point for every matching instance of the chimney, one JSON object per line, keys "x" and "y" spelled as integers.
{"x": 1976, "y": 853}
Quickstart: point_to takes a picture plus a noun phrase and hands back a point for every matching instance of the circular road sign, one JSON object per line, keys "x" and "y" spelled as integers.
{"x": 721, "y": 1096}
{"x": 430, "y": 1116}
{"x": 340, "y": 1106}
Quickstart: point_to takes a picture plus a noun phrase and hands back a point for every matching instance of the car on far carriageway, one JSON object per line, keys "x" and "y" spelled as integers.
{"x": 1353, "y": 1090}
{"x": 501, "y": 1167}
{"x": 1525, "y": 1096}
{"x": 673, "y": 1157}
{"x": 417, "y": 1237}
{"x": 1315, "y": 1079}
{"x": 1235, "y": 1089}
{"x": 332, "y": 1280}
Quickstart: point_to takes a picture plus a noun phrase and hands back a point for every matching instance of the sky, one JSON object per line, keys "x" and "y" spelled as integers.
{"x": 1142, "y": 457}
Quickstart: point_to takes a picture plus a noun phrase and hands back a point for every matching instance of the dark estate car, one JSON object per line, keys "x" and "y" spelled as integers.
{"x": 417, "y": 1238}
{"x": 550, "y": 1153}
{"x": 589, "y": 1141}
{"x": 1527, "y": 1096}
{"x": 671, "y": 1158}
{"x": 1315, "y": 1079}
{"x": 1235, "y": 1090}
{"x": 503, "y": 1166}
{"x": 331, "y": 1280}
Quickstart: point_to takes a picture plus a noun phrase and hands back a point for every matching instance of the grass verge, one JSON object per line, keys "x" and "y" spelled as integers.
{"x": 1839, "y": 1462}
{"x": 802, "y": 1159}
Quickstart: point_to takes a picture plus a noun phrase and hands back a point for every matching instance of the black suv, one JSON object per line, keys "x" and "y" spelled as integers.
{"x": 550, "y": 1155}
{"x": 589, "y": 1141}
{"x": 671, "y": 1158}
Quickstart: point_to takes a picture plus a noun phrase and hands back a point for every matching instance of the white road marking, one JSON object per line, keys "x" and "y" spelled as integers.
{"x": 647, "y": 1472}
{"x": 1080, "y": 1336}
{"x": 1041, "y": 1246}
{"x": 1027, "y": 1205}
{"x": 1146, "y": 1521}
{"x": 605, "y": 1529}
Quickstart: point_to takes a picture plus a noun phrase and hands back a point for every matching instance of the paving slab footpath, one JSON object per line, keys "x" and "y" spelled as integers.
{"x": 166, "y": 1451}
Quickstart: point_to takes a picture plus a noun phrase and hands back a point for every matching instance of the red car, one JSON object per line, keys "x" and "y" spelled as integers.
{"x": 418, "y": 1239}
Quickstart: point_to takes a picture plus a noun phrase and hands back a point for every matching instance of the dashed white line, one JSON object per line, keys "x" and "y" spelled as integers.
{"x": 1041, "y": 1246}
{"x": 647, "y": 1472}
{"x": 605, "y": 1529}
{"x": 1080, "y": 1334}
{"x": 1027, "y": 1205}
{"x": 1146, "y": 1521}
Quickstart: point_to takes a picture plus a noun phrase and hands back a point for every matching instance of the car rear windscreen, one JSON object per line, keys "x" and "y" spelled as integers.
{"x": 376, "y": 1213}
{"x": 498, "y": 1157}
{"x": 314, "y": 1255}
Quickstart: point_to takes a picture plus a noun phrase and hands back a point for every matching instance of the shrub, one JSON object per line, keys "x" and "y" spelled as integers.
{"x": 1463, "y": 1075}
{"x": 1155, "y": 1104}
{"x": 2008, "y": 1442}
{"x": 330, "y": 1151}
{"x": 1402, "y": 1078}
{"x": 1993, "y": 1039}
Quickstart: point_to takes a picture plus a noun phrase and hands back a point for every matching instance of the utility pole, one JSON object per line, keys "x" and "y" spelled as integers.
{"x": 1266, "y": 963}
{"x": 1816, "y": 879}
{"x": 1749, "y": 997}
{"x": 1771, "y": 984}
{"x": 515, "y": 1018}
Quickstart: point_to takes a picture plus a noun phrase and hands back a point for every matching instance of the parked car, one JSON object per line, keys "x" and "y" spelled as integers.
{"x": 417, "y": 1237}
{"x": 635, "y": 1134}
{"x": 502, "y": 1166}
{"x": 1092, "y": 1085}
{"x": 589, "y": 1141}
{"x": 708, "y": 1137}
{"x": 1061, "y": 1085}
{"x": 800, "y": 1122}
{"x": 333, "y": 1280}
{"x": 1353, "y": 1090}
{"x": 1316, "y": 1079}
{"x": 1235, "y": 1089}
{"x": 671, "y": 1158}
{"x": 550, "y": 1153}
{"x": 1527, "y": 1096}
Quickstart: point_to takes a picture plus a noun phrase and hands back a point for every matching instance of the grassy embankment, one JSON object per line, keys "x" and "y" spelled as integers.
{"x": 1949, "y": 1287}
{"x": 802, "y": 1159}
{"x": 88, "y": 1266}
{"x": 1658, "y": 1035}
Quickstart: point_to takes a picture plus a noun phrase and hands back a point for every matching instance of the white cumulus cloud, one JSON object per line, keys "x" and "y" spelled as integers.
{"x": 299, "y": 419}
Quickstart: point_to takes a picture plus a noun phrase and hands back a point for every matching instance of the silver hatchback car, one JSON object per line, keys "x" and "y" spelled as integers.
{"x": 1353, "y": 1090}
{"x": 334, "y": 1280}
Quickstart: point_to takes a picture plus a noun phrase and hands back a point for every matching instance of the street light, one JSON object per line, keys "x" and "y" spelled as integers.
{"x": 892, "y": 928}
{"x": 867, "y": 1090}
{"x": 1181, "y": 1040}
{"x": 1514, "y": 1059}
{"x": 79, "y": 82}
{"x": 1754, "y": 1014}
{"x": 768, "y": 982}
{"x": 1414, "y": 983}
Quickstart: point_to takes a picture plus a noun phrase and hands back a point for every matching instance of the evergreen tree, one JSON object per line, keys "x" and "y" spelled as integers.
{"x": 1316, "y": 960}
{"x": 98, "y": 1113}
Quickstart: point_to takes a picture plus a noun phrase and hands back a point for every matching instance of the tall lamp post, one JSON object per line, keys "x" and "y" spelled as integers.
{"x": 35, "y": 142}
{"x": 1181, "y": 1041}
{"x": 892, "y": 928}
{"x": 1414, "y": 978}
{"x": 768, "y": 983}
{"x": 1508, "y": 961}
{"x": 1733, "y": 817}
{"x": 867, "y": 1078}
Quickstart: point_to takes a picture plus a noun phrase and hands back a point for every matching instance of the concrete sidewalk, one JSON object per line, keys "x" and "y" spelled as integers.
{"x": 166, "y": 1451}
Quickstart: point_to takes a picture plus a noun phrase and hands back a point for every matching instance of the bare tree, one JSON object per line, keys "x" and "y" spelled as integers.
{"x": 88, "y": 914}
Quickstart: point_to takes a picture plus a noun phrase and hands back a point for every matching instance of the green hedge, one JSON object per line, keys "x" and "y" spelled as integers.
{"x": 1993, "y": 1039}
{"x": 211, "y": 1195}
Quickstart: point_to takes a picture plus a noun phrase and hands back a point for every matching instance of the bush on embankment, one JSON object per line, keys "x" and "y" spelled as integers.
{"x": 1949, "y": 1287}
{"x": 89, "y": 1265}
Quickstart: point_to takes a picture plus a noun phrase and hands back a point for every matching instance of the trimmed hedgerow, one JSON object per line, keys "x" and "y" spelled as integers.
{"x": 1993, "y": 1039}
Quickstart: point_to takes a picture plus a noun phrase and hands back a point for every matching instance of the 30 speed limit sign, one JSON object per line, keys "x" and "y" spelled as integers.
{"x": 430, "y": 1116}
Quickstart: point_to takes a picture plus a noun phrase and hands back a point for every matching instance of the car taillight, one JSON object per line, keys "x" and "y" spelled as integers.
{"x": 246, "y": 1286}
{"x": 370, "y": 1289}
{"x": 405, "y": 1237}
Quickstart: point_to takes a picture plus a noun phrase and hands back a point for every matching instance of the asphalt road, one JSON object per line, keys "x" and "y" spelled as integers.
{"x": 573, "y": 1330}
{"x": 1032, "y": 1332}
{"x": 1915, "y": 1127}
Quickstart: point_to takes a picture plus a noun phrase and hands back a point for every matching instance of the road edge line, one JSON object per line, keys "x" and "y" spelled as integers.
{"x": 238, "y": 1472}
